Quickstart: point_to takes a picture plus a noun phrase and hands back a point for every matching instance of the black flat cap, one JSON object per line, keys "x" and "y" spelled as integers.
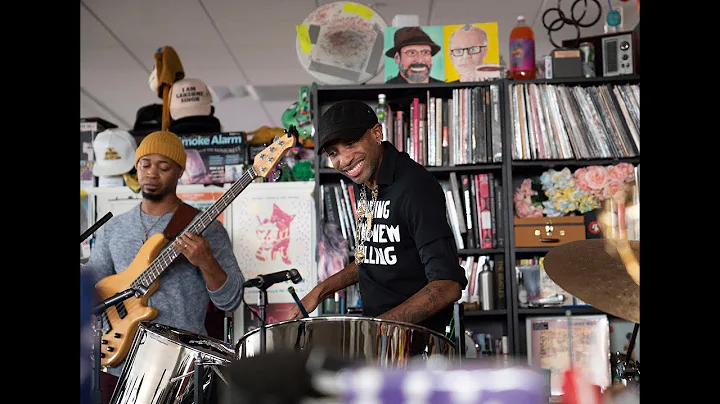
{"x": 347, "y": 119}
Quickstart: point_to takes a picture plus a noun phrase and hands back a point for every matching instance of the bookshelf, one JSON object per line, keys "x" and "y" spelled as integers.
{"x": 510, "y": 320}
{"x": 518, "y": 169}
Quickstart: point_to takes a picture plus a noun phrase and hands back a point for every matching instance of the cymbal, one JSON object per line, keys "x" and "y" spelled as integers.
{"x": 585, "y": 269}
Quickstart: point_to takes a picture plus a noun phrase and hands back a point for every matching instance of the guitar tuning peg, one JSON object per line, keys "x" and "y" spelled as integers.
{"x": 276, "y": 138}
{"x": 276, "y": 175}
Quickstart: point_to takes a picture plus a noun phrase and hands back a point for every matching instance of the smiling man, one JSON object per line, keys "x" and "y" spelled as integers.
{"x": 413, "y": 52}
{"x": 468, "y": 49}
{"x": 406, "y": 260}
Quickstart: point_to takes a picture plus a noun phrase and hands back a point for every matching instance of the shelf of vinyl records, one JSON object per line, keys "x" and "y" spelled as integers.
{"x": 574, "y": 122}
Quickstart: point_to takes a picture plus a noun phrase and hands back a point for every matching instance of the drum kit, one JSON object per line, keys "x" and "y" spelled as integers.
{"x": 165, "y": 364}
{"x": 170, "y": 365}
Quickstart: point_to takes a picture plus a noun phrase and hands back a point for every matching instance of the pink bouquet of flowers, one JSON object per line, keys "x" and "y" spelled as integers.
{"x": 605, "y": 182}
{"x": 526, "y": 203}
{"x": 566, "y": 193}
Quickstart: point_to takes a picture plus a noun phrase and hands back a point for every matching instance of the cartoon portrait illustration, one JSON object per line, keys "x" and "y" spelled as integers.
{"x": 473, "y": 53}
{"x": 413, "y": 55}
{"x": 274, "y": 235}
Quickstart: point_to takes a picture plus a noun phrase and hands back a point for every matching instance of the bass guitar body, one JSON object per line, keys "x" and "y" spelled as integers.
{"x": 121, "y": 321}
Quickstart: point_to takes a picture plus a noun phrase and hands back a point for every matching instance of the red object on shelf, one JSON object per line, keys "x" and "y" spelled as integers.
{"x": 577, "y": 390}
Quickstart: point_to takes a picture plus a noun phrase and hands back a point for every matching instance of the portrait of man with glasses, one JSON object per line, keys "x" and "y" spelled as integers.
{"x": 468, "y": 48}
{"x": 413, "y": 52}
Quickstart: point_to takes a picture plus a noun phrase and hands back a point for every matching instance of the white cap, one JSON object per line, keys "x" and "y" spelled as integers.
{"x": 114, "y": 152}
{"x": 521, "y": 18}
{"x": 190, "y": 97}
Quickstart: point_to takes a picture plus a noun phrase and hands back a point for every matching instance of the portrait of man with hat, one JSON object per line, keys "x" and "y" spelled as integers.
{"x": 413, "y": 51}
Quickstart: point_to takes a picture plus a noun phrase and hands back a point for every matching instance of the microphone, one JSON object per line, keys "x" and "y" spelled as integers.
{"x": 113, "y": 300}
{"x": 265, "y": 281}
{"x": 96, "y": 226}
{"x": 297, "y": 301}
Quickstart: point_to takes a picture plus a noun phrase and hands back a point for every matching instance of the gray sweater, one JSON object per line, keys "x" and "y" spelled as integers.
{"x": 182, "y": 297}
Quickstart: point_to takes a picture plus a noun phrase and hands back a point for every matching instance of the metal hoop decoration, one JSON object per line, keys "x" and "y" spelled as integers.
{"x": 578, "y": 21}
{"x": 561, "y": 19}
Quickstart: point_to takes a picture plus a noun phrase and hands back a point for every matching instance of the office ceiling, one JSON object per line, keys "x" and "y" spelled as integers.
{"x": 246, "y": 48}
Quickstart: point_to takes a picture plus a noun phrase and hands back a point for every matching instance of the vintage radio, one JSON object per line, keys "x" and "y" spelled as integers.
{"x": 548, "y": 231}
{"x": 616, "y": 54}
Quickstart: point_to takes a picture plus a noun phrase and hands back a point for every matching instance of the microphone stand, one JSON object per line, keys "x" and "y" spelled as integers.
{"x": 627, "y": 375}
{"x": 96, "y": 393}
{"x": 262, "y": 302}
{"x": 96, "y": 226}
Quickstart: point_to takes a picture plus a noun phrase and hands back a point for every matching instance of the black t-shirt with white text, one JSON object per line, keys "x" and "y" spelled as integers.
{"x": 411, "y": 243}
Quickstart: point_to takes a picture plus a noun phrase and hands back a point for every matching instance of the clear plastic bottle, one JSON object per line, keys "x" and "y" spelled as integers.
{"x": 381, "y": 112}
{"x": 522, "y": 51}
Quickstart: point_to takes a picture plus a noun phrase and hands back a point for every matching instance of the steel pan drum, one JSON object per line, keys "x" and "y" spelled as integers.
{"x": 160, "y": 365}
{"x": 358, "y": 339}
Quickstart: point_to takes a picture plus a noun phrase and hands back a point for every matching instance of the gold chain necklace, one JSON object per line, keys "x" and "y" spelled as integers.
{"x": 364, "y": 222}
{"x": 147, "y": 230}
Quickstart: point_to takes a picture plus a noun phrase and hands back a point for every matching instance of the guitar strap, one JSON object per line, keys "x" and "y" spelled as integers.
{"x": 183, "y": 215}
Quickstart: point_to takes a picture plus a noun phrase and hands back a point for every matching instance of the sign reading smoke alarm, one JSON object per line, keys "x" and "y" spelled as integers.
{"x": 342, "y": 43}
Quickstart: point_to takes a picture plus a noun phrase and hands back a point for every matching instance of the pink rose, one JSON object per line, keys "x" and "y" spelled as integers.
{"x": 526, "y": 188}
{"x": 526, "y": 210}
{"x": 596, "y": 177}
{"x": 628, "y": 171}
{"x": 616, "y": 173}
{"x": 582, "y": 185}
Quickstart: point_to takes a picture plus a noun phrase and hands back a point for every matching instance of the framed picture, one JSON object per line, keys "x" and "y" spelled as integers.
{"x": 472, "y": 52}
{"x": 549, "y": 346}
{"x": 413, "y": 55}
{"x": 273, "y": 228}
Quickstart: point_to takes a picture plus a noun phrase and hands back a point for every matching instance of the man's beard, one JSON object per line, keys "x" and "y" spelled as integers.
{"x": 416, "y": 77}
{"x": 152, "y": 197}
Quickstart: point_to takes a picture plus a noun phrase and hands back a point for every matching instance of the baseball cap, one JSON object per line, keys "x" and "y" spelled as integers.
{"x": 348, "y": 119}
{"x": 190, "y": 97}
{"x": 114, "y": 152}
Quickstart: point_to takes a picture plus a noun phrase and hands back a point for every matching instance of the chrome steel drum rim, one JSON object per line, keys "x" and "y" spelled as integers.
{"x": 346, "y": 319}
{"x": 161, "y": 330}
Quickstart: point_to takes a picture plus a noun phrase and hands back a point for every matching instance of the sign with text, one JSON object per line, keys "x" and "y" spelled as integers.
{"x": 214, "y": 158}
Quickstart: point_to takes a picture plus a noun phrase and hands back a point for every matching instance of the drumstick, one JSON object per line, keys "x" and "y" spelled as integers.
{"x": 297, "y": 300}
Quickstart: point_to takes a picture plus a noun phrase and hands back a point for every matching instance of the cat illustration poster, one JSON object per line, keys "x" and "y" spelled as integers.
{"x": 274, "y": 235}
{"x": 273, "y": 229}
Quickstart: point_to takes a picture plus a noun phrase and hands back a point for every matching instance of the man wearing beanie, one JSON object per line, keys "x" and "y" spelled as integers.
{"x": 206, "y": 268}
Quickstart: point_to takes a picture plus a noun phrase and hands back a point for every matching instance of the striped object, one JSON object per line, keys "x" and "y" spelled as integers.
{"x": 451, "y": 386}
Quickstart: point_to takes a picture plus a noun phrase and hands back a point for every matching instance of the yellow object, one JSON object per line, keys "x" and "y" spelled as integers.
{"x": 304, "y": 38}
{"x": 265, "y": 134}
{"x": 165, "y": 143}
{"x": 132, "y": 182}
{"x": 359, "y": 9}
{"x": 83, "y": 194}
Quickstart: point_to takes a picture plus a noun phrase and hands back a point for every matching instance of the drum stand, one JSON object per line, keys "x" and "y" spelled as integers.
{"x": 96, "y": 393}
{"x": 98, "y": 311}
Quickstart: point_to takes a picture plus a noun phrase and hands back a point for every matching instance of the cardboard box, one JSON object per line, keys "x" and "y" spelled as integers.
{"x": 89, "y": 128}
{"x": 548, "y": 231}
{"x": 214, "y": 158}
